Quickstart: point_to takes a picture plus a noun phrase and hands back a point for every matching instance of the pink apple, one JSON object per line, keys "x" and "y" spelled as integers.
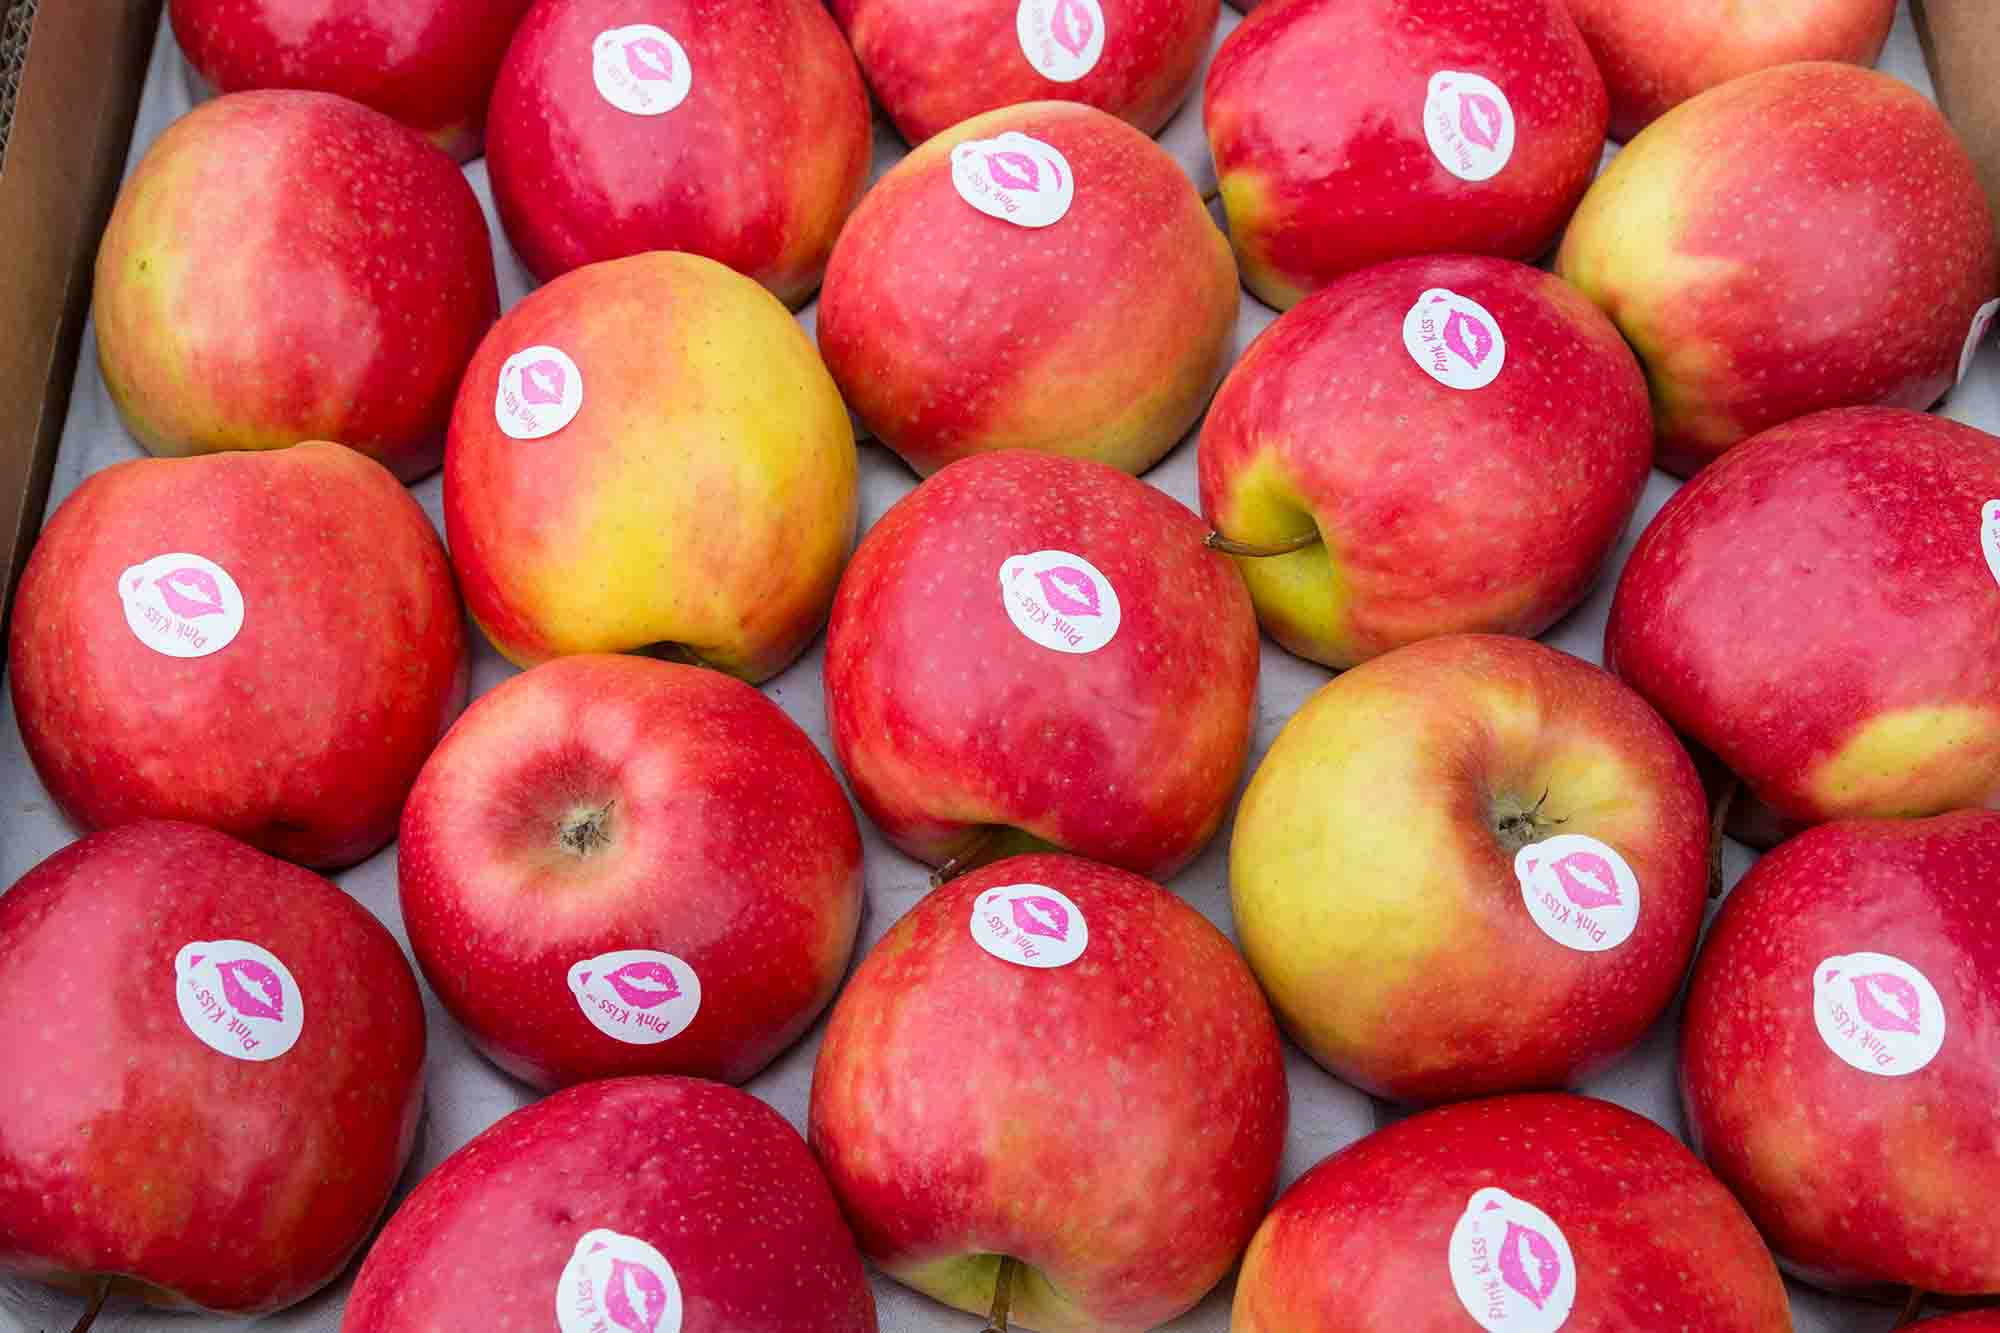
{"x": 285, "y": 266}
{"x": 1840, "y": 1058}
{"x": 1526, "y": 1212}
{"x": 1035, "y": 652}
{"x": 631, "y": 1204}
{"x": 266, "y": 643}
{"x": 1468, "y": 127}
{"x": 215, "y": 1067}
{"x": 735, "y": 129}
{"x": 1062, "y": 1065}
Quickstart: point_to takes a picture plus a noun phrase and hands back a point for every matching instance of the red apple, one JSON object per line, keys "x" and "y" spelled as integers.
{"x": 735, "y": 129}
{"x": 285, "y": 266}
{"x": 1470, "y": 127}
{"x": 618, "y": 866}
{"x": 1466, "y": 439}
{"x": 644, "y": 1204}
{"x": 1035, "y": 652}
{"x": 1526, "y": 1213}
{"x": 1974, "y": 1321}
{"x": 215, "y": 1071}
{"x": 1062, "y": 1065}
{"x": 266, "y": 643}
{"x": 1840, "y": 1057}
{"x": 427, "y": 63}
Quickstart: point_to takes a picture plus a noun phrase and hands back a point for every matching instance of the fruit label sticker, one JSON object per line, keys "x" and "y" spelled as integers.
{"x": 1061, "y": 38}
{"x": 640, "y": 69}
{"x": 181, "y": 605}
{"x": 1877, "y": 1013}
{"x": 1030, "y": 924}
{"x": 1455, "y": 339}
{"x": 1014, "y": 178}
{"x": 1989, "y": 536}
{"x": 238, "y": 998}
{"x": 614, "y": 1283}
{"x": 641, "y": 996}
{"x": 1511, "y": 1265}
{"x": 540, "y": 392}
{"x": 1579, "y": 891}
{"x": 1059, "y": 600}
{"x": 1982, "y": 323}
{"x": 1469, "y": 124}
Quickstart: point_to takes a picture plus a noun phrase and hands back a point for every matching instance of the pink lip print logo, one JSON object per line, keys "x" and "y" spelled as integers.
{"x": 1579, "y": 891}
{"x": 617, "y": 1282}
{"x": 542, "y": 382}
{"x": 1031, "y": 925}
{"x": 1511, "y": 1265}
{"x": 1073, "y": 26}
{"x": 1466, "y": 335}
{"x": 538, "y": 392}
{"x": 1878, "y": 1013}
{"x": 181, "y": 604}
{"x": 251, "y": 988}
{"x": 636, "y": 1299}
{"x": 1469, "y": 124}
{"x": 1013, "y": 171}
{"x": 1059, "y": 600}
{"x": 646, "y": 984}
{"x": 649, "y": 58}
{"x": 641, "y": 69}
{"x": 1888, "y": 1003}
{"x": 1587, "y": 880}
{"x": 238, "y": 998}
{"x": 190, "y": 591}
{"x": 1529, "y": 1263}
{"x": 1069, "y": 590}
{"x": 1454, "y": 339}
{"x": 1038, "y": 915}
{"x": 1014, "y": 178}
{"x": 1479, "y": 119}
{"x": 638, "y": 996}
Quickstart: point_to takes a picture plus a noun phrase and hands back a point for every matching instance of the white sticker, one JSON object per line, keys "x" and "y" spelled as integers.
{"x": 641, "y": 69}
{"x": 1029, "y": 924}
{"x": 1877, "y": 1013}
{"x": 182, "y": 605}
{"x": 1982, "y": 322}
{"x": 1469, "y": 124}
{"x": 238, "y": 998}
{"x": 1061, "y": 38}
{"x": 1511, "y": 1265}
{"x": 1015, "y": 178}
{"x": 1059, "y": 600}
{"x": 1989, "y": 536}
{"x": 1455, "y": 339}
{"x": 641, "y": 996}
{"x": 540, "y": 392}
{"x": 1579, "y": 891}
{"x": 614, "y": 1283}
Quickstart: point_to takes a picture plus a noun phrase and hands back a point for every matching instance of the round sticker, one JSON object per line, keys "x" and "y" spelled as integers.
{"x": 1061, "y": 38}
{"x": 540, "y": 392}
{"x": 1511, "y": 1265}
{"x": 1030, "y": 924}
{"x": 1059, "y": 600}
{"x": 1989, "y": 536}
{"x": 640, "y": 69}
{"x": 1982, "y": 321}
{"x": 1455, "y": 339}
{"x": 1014, "y": 178}
{"x": 238, "y": 998}
{"x": 641, "y": 996}
{"x": 614, "y": 1283}
{"x": 182, "y": 605}
{"x": 1877, "y": 1013}
{"x": 1579, "y": 891}
{"x": 1469, "y": 124}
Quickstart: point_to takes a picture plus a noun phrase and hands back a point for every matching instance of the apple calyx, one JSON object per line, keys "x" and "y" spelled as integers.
{"x": 1215, "y": 541}
{"x": 99, "y": 1291}
{"x": 1003, "y": 1295}
{"x": 586, "y": 829}
{"x": 1516, "y": 825}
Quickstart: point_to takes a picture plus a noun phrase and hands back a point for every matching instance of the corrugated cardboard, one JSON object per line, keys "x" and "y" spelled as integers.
{"x": 1962, "y": 46}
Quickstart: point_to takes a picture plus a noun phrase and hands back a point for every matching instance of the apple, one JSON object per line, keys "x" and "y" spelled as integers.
{"x": 1532, "y": 1212}
{"x": 285, "y": 266}
{"x": 1461, "y": 440}
{"x": 1040, "y": 277}
{"x": 644, "y": 1204}
{"x": 266, "y": 643}
{"x": 1450, "y": 128}
{"x": 647, "y": 454}
{"x": 619, "y": 866}
{"x": 1471, "y": 865}
{"x": 738, "y": 131}
{"x": 215, "y": 1068}
{"x": 1972, "y": 1321}
{"x": 427, "y": 63}
{"x": 1058, "y": 1079}
{"x": 1765, "y": 266}
{"x": 1031, "y": 652}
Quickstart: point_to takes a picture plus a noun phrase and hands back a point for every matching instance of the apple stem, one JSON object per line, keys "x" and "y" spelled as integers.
{"x": 1215, "y": 541}
{"x": 1911, "y": 1308}
{"x": 97, "y": 1297}
{"x": 1003, "y": 1295}
{"x": 1718, "y": 819}
{"x": 971, "y": 856}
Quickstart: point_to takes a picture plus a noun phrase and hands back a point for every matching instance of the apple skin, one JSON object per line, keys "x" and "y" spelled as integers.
{"x": 302, "y": 735}
{"x": 127, "y": 1144}
{"x": 1359, "y": 1244}
{"x": 1101, "y": 336}
{"x": 1973, "y": 1321}
{"x": 1121, "y": 1150}
{"x": 426, "y": 63}
{"x": 1441, "y": 510}
{"x": 934, "y": 63}
{"x": 757, "y": 168}
{"x": 1372, "y": 874}
{"x": 1859, "y": 1181}
{"x": 1765, "y": 266}
{"x": 285, "y": 266}
{"x": 726, "y": 842}
{"x": 714, "y": 1179}
{"x": 1324, "y": 176}
{"x": 1128, "y": 754}
{"x": 705, "y": 494}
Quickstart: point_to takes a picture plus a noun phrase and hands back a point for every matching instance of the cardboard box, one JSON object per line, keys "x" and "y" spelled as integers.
{"x": 1962, "y": 47}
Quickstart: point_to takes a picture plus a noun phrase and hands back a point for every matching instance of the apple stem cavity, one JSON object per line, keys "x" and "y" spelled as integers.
{"x": 1718, "y": 820}
{"x": 1215, "y": 541}
{"x": 98, "y": 1293}
{"x": 1003, "y": 1295}
{"x": 1517, "y": 826}
{"x": 586, "y": 829}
